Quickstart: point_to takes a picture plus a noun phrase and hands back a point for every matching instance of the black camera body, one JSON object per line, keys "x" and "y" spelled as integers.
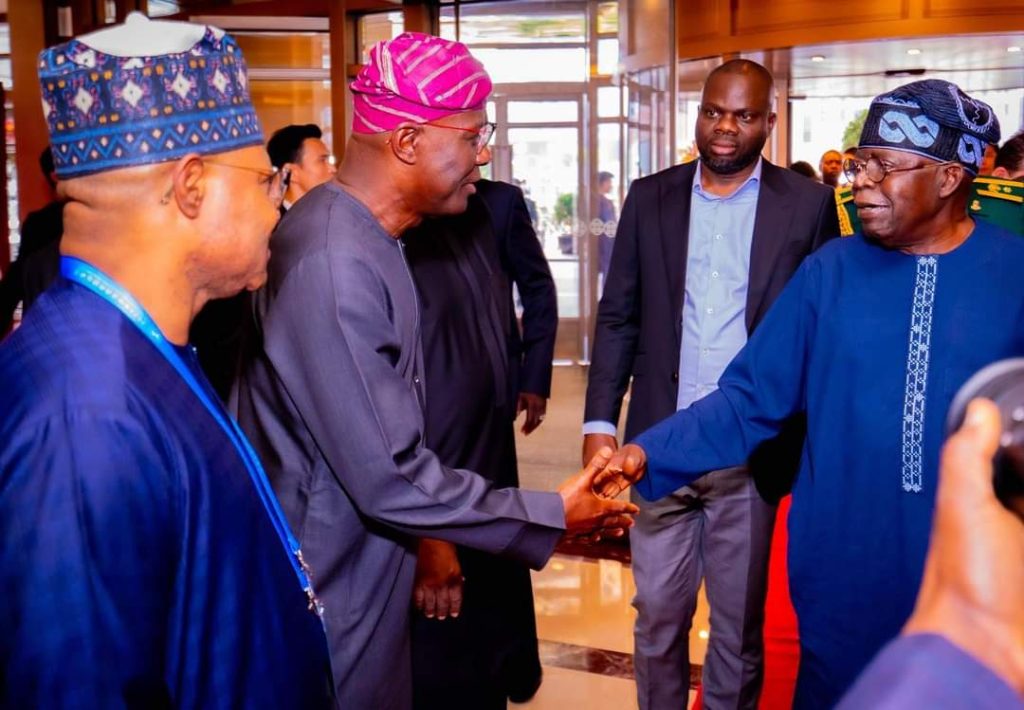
{"x": 1003, "y": 383}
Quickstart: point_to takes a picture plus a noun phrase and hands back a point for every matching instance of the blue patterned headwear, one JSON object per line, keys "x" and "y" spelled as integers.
{"x": 145, "y": 92}
{"x": 933, "y": 118}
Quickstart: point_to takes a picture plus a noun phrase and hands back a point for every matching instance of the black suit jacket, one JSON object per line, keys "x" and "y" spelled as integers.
{"x": 529, "y": 352}
{"x": 638, "y": 330}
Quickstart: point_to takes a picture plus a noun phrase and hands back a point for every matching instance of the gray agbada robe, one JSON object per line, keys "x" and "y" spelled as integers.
{"x": 333, "y": 405}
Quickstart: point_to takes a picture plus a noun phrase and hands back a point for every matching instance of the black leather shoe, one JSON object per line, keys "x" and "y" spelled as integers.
{"x": 524, "y": 691}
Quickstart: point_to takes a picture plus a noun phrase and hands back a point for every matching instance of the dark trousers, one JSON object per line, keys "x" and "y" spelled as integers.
{"x": 475, "y": 661}
{"x": 718, "y": 531}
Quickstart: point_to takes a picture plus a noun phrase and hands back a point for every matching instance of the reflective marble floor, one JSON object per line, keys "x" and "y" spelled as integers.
{"x": 584, "y": 617}
{"x": 585, "y": 625}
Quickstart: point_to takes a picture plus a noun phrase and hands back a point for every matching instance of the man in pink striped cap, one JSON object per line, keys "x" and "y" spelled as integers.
{"x": 334, "y": 401}
{"x": 419, "y": 113}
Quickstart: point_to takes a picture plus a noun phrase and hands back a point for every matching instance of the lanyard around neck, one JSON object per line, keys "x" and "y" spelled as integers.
{"x": 103, "y": 286}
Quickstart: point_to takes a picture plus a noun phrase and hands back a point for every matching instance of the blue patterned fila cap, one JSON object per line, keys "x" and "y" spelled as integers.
{"x": 933, "y": 118}
{"x": 145, "y": 92}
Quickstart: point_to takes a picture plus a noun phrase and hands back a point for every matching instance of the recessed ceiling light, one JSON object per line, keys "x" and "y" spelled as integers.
{"x": 913, "y": 52}
{"x": 821, "y": 57}
{"x": 1013, "y": 49}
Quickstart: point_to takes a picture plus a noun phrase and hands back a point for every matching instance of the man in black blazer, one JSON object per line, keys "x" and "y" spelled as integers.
{"x": 702, "y": 250}
{"x": 477, "y": 650}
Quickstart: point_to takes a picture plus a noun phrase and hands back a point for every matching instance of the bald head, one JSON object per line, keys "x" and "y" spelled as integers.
{"x": 759, "y": 77}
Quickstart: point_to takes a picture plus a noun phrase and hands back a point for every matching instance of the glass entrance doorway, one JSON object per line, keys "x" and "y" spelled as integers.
{"x": 539, "y": 150}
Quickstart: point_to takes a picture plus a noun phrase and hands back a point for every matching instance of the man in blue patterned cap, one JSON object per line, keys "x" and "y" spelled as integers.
{"x": 143, "y": 559}
{"x": 871, "y": 339}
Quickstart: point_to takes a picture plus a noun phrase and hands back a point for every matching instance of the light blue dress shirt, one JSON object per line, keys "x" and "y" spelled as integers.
{"x": 715, "y": 301}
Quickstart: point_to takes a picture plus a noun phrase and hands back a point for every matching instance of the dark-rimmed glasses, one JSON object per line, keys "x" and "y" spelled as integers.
{"x": 876, "y": 172}
{"x": 483, "y": 134}
{"x": 276, "y": 180}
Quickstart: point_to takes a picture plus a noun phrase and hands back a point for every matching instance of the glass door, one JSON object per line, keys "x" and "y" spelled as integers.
{"x": 539, "y": 148}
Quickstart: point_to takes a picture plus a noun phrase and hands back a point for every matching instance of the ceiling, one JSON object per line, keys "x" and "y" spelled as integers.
{"x": 974, "y": 62}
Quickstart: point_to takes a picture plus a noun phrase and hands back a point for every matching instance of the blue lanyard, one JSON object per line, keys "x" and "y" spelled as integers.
{"x": 99, "y": 283}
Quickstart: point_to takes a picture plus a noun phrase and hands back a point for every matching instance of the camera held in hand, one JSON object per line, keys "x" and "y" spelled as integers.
{"x": 1003, "y": 383}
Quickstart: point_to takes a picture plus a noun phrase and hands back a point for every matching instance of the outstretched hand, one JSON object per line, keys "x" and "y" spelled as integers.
{"x": 586, "y": 513}
{"x": 624, "y": 468}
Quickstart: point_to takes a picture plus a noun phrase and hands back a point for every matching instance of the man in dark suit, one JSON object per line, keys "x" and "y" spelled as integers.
{"x": 479, "y": 374}
{"x": 300, "y": 149}
{"x": 38, "y": 261}
{"x": 702, "y": 250}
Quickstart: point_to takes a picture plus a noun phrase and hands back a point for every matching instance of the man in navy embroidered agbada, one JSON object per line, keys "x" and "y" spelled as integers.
{"x": 140, "y": 563}
{"x": 871, "y": 338}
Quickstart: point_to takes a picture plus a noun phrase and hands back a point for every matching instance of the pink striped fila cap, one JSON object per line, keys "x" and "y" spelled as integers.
{"x": 419, "y": 78}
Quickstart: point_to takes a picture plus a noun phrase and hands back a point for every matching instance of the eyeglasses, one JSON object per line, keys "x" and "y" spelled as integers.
{"x": 483, "y": 134}
{"x": 876, "y": 172}
{"x": 276, "y": 180}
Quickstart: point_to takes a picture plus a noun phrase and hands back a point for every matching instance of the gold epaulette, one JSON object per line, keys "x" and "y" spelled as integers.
{"x": 1011, "y": 190}
{"x": 844, "y": 195}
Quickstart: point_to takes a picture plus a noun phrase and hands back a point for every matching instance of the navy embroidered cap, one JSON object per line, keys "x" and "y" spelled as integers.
{"x": 145, "y": 92}
{"x": 933, "y": 118}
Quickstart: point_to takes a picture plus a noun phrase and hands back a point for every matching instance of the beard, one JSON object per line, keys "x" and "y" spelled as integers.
{"x": 729, "y": 166}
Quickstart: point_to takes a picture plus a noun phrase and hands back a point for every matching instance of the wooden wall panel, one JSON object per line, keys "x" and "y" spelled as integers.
{"x": 972, "y": 8}
{"x": 754, "y": 16}
{"x": 704, "y": 20}
{"x": 709, "y": 28}
{"x": 644, "y": 32}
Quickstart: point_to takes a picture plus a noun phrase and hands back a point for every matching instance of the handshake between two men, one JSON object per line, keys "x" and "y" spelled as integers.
{"x": 591, "y": 509}
{"x": 592, "y": 512}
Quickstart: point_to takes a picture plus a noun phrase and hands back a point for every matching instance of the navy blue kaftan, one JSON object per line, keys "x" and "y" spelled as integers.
{"x": 872, "y": 344}
{"x": 137, "y": 564}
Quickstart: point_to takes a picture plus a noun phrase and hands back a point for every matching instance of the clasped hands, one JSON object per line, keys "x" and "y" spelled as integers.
{"x": 592, "y": 511}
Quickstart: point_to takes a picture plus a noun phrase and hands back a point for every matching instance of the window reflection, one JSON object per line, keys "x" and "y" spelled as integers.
{"x": 279, "y": 103}
{"x": 535, "y": 64}
{"x": 377, "y": 27}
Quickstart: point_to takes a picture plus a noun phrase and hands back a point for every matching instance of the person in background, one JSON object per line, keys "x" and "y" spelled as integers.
{"x": 831, "y": 167}
{"x": 301, "y": 149}
{"x": 989, "y": 162}
{"x": 804, "y": 168}
{"x": 476, "y": 633}
{"x": 702, "y": 252}
{"x": 999, "y": 197}
{"x": 143, "y": 559}
{"x": 38, "y": 259}
{"x": 1010, "y": 159}
{"x": 605, "y": 213}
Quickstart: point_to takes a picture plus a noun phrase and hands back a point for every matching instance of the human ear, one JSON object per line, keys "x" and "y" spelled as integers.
{"x": 404, "y": 142}
{"x": 188, "y": 185}
{"x": 952, "y": 177}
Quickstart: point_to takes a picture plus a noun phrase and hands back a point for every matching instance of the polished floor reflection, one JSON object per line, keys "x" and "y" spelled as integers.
{"x": 585, "y": 623}
{"x": 583, "y": 599}
{"x": 584, "y": 616}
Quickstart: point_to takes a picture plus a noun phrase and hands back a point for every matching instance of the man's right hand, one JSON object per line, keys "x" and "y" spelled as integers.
{"x": 592, "y": 443}
{"x": 973, "y": 587}
{"x": 586, "y": 513}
